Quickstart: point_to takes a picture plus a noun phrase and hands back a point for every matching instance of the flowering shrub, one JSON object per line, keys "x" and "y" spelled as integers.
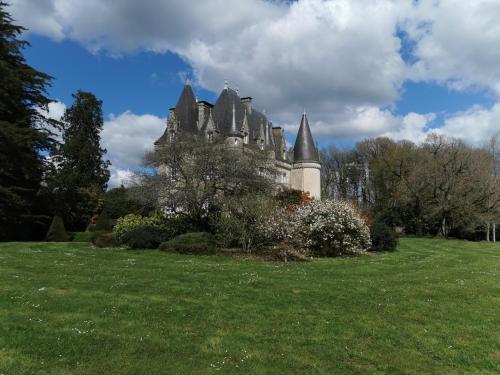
{"x": 331, "y": 228}
{"x": 279, "y": 225}
{"x": 141, "y": 231}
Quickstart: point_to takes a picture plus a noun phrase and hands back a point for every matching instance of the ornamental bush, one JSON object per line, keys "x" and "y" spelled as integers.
{"x": 84, "y": 236}
{"x": 141, "y": 231}
{"x": 57, "y": 231}
{"x": 332, "y": 228}
{"x": 144, "y": 237}
{"x": 197, "y": 243}
{"x": 383, "y": 237}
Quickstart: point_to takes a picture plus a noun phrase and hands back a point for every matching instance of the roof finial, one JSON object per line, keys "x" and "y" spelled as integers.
{"x": 226, "y": 85}
{"x": 237, "y": 91}
{"x": 304, "y": 113}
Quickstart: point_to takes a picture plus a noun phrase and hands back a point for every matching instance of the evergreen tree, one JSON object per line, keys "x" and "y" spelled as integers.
{"x": 23, "y": 138}
{"x": 57, "y": 232}
{"x": 82, "y": 175}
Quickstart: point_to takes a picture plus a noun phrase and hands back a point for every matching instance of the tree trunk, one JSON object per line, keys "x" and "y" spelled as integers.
{"x": 494, "y": 232}
{"x": 443, "y": 227}
{"x": 488, "y": 231}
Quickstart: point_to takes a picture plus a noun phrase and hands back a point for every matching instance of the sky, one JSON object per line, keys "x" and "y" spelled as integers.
{"x": 360, "y": 69}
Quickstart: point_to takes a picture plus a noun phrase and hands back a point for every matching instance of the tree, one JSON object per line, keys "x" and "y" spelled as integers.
{"x": 24, "y": 136}
{"x": 57, "y": 231}
{"x": 81, "y": 173}
{"x": 343, "y": 175}
{"x": 492, "y": 209}
{"x": 194, "y": 178}
{"x": 440, "y": 187}
{"x": 121, "y": 201}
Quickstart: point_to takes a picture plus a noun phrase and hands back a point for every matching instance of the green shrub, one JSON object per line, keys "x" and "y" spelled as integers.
{"x": 148, "y": 232}
{"x": 83, "y": 236}
{"x": 240, "y": 223}
{"x": 196, "y": 243}
{"x": 383, "y": 237}
{"x": 104, "y": 240}
{"x": 57, "y": 232}
{"x": 144, "y": 237}
{"x": 132, "y": 222}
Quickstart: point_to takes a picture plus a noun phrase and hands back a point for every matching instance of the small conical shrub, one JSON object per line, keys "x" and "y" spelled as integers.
{"x": 57, "y": 232}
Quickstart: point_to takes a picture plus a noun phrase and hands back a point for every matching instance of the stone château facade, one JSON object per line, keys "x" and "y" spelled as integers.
{"x": 234, "y": 119}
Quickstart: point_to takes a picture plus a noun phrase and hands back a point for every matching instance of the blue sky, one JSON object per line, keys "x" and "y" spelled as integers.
{"x": 402, "y": 75}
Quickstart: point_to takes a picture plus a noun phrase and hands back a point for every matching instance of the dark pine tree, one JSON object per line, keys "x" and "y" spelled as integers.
{"x": 24, "y": 137}
{"x": 82, "y": 175}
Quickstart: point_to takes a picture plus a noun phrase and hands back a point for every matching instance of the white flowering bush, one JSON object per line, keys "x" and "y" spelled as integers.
{"x": 332, "y": 228}
{"x": 326, "y": 228}
{"x": 278, "y": 226}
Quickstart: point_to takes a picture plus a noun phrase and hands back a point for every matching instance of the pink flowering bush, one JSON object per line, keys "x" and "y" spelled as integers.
{"x": 332, "y": 228}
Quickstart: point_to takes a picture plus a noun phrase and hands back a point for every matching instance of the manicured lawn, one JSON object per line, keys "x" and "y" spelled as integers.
{"x": 433, "y": 307}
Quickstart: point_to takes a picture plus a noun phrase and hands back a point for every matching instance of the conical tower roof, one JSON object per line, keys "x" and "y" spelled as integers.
{"x": 186, "y": 110}
{"x": 304, "y": 149}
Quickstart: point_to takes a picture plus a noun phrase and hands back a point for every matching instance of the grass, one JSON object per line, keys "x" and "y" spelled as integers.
{"x": 433, "y": 307}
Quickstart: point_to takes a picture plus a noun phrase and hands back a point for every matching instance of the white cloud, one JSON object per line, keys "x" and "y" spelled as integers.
{"x": 476, "y": 125}
{"x": 457, "y": 42}
{"x": 339, "y": 59}
{"x": 56, "y": 110}
{"x": 120, "y": 177}
{"x": 128, "y": 137}
{"x": 321, "y": 55}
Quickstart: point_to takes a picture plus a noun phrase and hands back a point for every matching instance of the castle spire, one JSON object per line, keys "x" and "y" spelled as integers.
{"x": 304, "y": 149}
{"x": 233, "y": 131}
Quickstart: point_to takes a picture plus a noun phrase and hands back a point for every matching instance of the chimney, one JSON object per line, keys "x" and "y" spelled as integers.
{"x": 247, "y": 103}
{"x": 277, "y": 132}
{"x": 203, "y": 112}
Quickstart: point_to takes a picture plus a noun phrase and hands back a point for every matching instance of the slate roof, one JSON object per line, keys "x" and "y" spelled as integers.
{"x": 223, "y": 110}
{"x": 186, "y": 110}
{"x": 221, "y": 116}
{"x": 304, "y": 149}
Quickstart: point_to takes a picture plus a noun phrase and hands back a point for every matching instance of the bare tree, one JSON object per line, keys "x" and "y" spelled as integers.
{"x": 493, "y": 209}
{"x": 193, "y": 177}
